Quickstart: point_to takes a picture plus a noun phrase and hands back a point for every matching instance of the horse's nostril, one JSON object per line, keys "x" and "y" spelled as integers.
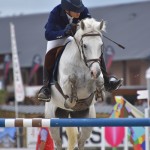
{"x": 92, "y": 74}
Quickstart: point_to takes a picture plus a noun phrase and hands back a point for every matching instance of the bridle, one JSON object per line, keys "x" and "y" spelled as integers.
{"x": 81, "y": 50}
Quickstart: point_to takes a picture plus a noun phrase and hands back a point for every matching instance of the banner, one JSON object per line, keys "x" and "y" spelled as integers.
{"x": 123, "y": 109}
{"x": 109, "y": 55}
{"x": 37, "y": 60}
{"x": 7, "y": 62}
{"x": 18, "y": 84}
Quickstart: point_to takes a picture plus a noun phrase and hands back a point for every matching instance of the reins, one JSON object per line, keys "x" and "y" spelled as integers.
{"x": 86, "y": 61}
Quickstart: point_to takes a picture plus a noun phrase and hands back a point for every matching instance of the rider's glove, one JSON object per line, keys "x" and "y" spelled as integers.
{"x": 70, "y": 30}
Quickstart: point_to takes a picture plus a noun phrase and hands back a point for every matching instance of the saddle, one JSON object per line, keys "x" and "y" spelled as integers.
{"x": 55, "y": 67}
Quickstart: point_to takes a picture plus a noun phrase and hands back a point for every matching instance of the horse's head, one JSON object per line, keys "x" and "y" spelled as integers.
{"x": 89, "y": 39}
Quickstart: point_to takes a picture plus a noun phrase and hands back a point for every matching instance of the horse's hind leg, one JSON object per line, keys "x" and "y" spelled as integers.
{"x": 86, "y": 131}
{"x": 83, "y": 136}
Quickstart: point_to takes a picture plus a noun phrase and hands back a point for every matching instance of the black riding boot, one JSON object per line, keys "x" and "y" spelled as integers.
{"x": 109, "y": 84}
{"x": 45, "y": 93}
{"x": 50, "y": 57}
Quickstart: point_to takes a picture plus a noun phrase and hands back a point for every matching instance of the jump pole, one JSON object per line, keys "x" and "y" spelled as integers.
{"x": 82, "y": 122}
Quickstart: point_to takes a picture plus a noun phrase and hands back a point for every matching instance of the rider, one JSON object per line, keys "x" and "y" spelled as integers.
{"x": 58, "y": 31}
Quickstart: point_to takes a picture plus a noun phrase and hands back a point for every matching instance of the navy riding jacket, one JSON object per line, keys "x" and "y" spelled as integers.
{"x": 57, "y": 21}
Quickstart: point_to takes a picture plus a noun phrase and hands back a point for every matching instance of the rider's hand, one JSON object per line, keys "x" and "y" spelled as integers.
{"x": 70, "y": 30}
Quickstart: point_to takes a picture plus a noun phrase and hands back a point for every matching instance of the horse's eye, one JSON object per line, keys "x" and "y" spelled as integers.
{"x": 84, "y": 46}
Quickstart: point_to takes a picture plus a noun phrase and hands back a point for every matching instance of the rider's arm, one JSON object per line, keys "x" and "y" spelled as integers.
{"x": 53, "y": 30}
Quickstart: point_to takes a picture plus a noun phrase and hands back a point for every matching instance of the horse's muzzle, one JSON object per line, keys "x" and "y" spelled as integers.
{"x": 95, "y": 74}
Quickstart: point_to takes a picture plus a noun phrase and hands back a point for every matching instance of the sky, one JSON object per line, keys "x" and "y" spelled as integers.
{"x": 17, "y": 7}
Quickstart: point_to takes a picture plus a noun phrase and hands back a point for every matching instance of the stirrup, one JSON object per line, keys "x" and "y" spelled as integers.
{"x": 45, "y": 97}
{"x": 41, "y": 98}
{"x": 44, "y": 100}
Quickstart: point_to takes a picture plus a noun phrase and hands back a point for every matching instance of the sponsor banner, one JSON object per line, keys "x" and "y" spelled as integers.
{"x": 37, "y": 60}
{"x": 18, "y": 84}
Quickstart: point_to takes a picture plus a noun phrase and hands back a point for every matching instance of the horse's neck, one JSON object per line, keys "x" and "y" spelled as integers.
{"x": 71, "y": 61}
{"x": 72, "y": 55}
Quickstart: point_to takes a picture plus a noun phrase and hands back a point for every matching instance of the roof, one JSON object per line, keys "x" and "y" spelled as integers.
{"x": 29, "y": 35}
{"x": 127, "y": 24}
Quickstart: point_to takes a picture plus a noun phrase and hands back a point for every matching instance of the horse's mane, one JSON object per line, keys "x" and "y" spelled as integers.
{"x": 90, "y": 26}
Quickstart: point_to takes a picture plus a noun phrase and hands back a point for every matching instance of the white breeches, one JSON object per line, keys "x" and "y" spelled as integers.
{"x": 58, "y": 42}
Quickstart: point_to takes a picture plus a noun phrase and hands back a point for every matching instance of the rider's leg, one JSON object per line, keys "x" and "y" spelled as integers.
{"x": 109, "y": 85}
{"x": 50, "y": 57}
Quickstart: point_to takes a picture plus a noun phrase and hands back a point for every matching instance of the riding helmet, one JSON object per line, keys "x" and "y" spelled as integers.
{"x": 72, "y": 5}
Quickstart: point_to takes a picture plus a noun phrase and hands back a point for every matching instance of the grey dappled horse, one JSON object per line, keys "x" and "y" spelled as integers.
{"x": 79, "y": 82}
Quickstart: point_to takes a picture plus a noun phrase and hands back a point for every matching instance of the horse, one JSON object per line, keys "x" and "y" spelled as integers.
{"x": 80, "y": 82}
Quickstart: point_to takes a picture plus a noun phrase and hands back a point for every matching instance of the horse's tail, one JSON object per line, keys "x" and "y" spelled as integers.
{"x": 72, "y": 133}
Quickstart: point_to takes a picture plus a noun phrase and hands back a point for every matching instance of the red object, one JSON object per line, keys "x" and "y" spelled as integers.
{"x": 114, "y": 135}
{"x": 49, "y": 145}
{"x": 137, "y": 147}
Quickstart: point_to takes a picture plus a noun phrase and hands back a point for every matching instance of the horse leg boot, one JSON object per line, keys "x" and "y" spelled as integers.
{"x": 50, "y": 57}
{"x": 71, "y": 101}
{"x": 109, "y": 85}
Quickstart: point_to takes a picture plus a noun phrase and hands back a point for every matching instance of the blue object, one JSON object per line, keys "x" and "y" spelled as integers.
{"x": 72, "y": 5}
{"x": 57, "y": 22}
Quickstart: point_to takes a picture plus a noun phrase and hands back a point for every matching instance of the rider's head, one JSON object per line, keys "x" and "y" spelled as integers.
{"x": 73, "y": 7}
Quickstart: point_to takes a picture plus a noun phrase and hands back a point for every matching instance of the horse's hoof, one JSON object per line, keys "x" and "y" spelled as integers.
{"x": 68, "y": 104}
{"x": 100, "y": 96}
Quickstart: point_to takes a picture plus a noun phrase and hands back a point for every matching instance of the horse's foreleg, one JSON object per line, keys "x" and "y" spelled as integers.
{"x": 72, "y": 133}
{"x": 55, "y": 133}
{"x": 71, "y": 101}
{"x": 99, "y": 94}
{"x": 86, "y": 131}
{"x": 50, "y": 109}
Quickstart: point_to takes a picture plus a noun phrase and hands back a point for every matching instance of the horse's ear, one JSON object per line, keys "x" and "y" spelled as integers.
{"x": 102, "y": 25}
{"x": 82, "y": 25}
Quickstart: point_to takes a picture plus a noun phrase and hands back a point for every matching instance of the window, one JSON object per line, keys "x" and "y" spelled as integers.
{"x": 134, "y": 75}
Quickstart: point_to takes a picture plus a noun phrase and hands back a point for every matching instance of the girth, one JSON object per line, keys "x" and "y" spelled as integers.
{"x": 83, "y": 104}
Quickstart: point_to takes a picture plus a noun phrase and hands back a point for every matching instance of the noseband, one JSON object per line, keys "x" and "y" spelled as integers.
{"x": 86, "y": 61}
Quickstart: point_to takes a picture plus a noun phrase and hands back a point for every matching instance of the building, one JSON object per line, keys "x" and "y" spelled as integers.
{"x": 127, "y": 24}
